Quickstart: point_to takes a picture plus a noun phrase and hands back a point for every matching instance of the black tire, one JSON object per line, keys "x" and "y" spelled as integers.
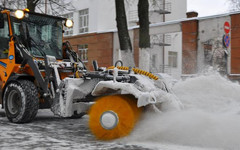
{"x": 21, "y": 101}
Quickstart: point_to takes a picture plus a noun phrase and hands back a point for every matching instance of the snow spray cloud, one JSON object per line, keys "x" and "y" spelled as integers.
{"x": 210, "y": 119}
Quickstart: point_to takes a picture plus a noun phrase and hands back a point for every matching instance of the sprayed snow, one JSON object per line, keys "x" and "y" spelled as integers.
{"x": 210, "y": 119}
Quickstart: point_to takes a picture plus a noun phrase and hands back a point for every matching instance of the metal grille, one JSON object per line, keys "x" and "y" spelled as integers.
{"x": 160, "y": 40}
{"x": 160, "y": 7}
{"x": 165, "y": 69}
{"x": 161, "y": 69}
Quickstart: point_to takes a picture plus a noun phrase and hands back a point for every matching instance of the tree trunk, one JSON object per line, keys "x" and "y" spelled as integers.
{"x": 31, "y": 5}
{"x": 144, "y": 37}
{"x": 123, "y": 35}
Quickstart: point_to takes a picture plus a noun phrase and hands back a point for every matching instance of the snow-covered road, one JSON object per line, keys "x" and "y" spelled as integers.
{"x": 210, "y": 120}
{"x": 50, "y": 132}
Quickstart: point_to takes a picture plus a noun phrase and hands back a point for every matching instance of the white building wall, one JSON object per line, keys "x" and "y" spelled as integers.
{"x": 211, "y": 31}
{"x": 178, "y": 10}
{"x": 102, "y": 13}
{"x": 106, "y": 15}
{"x": 176, "y": 46}
{"x": 173, "y": 31}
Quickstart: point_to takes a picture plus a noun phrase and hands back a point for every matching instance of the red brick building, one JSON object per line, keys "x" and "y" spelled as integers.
{"x": 99, "y": 47}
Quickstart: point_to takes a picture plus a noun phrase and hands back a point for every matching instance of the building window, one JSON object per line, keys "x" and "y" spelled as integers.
{"x": 82, "y": 52}
{"x": 68, "y": 31}
{"x": 83, "y": 21}
{"x": 172, "y": 59}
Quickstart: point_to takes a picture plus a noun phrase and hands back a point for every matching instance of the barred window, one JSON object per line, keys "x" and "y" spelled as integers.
{"x": 83, "y": 20}
{"x": 172, "y": 59}
{"x": 83, "y": 52}
{"x": 68, "y": 31}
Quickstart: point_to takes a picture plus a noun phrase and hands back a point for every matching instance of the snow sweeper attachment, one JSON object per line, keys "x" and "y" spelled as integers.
{"x": 123, "y": 98}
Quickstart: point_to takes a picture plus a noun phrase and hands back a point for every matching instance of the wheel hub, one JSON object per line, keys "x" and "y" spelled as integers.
{"x": 13, "y": 102}
{"x": 109, "y": 120}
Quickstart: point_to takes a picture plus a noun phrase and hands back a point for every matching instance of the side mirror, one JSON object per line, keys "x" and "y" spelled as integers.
{"x": 1, "y": 21}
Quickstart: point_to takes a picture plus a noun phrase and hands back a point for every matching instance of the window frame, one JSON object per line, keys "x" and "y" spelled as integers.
{"x": 83, "y": 52}
{"x": 173, "y": 59}
{"x": 83, "y": 21}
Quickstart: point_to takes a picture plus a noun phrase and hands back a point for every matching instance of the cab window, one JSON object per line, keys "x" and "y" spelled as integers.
{"x": 4, "y": 39}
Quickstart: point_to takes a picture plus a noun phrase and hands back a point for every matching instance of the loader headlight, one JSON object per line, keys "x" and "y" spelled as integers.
{"x": 68, "y": 23}
{"x": 19, "y": 14}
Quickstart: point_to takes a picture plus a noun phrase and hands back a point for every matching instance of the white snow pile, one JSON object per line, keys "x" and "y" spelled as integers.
{"x": 210, "y": 118}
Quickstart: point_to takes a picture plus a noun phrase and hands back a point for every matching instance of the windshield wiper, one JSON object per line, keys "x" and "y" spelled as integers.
{"x": 30, "y": 39}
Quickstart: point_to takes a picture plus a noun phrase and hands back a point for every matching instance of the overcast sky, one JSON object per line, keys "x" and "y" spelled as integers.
{"x": 208, "y": 7}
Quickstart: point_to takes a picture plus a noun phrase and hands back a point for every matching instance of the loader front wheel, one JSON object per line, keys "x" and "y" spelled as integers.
{"x": 21, "y": 101}
{"x": 113, "y": 116}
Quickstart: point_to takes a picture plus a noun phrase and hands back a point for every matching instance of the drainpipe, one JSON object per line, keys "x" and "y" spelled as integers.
{"x": 164, "y": 38}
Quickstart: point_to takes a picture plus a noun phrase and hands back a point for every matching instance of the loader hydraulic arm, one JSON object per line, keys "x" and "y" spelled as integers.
{"x": 28, "y": 59}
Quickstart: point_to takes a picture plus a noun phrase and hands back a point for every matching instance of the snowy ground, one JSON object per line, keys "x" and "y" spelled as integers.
{"x": 49, "y": 132}
{"x": 209, "y": 121}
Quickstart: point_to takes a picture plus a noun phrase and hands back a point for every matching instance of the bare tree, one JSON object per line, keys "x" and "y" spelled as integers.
{"x": 31, "y": 4}
{"x": 56, "y": 7}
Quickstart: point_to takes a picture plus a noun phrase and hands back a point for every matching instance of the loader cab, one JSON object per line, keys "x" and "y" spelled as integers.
{"x": 39, "y": 33}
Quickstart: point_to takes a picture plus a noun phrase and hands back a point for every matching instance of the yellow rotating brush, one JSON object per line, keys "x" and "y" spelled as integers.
{"x": 113, "y": 116}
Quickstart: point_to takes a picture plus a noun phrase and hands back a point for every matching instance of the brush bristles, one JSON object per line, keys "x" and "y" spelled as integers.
{"x": 125, "y": 106}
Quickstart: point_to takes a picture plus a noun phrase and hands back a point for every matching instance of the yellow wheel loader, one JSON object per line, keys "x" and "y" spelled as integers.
{"x": 38, "y": 70}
